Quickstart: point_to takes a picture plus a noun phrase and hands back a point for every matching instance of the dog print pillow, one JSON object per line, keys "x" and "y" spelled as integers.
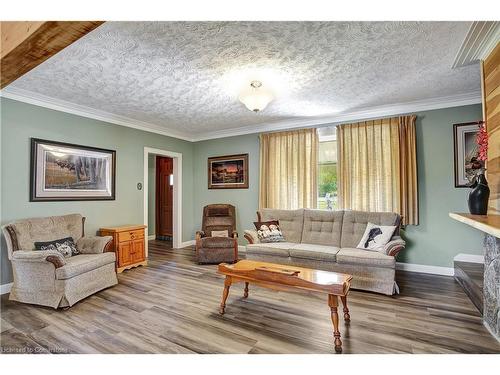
{"x": 269, "y": 231}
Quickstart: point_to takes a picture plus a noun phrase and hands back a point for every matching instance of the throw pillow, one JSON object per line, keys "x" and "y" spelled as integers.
{"x": 269, "y": 231}
{"x": 220, "y": 233}
{"x": 376, "y": 237}
{"x": 66, "y": 246}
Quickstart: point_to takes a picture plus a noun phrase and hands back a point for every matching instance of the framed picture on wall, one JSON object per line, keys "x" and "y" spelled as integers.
{"x": 466, "y": 151}
{"x": 228, "y": 172}
{"x": 68, "y": 172}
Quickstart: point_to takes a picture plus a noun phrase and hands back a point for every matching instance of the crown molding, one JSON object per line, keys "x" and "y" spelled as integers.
{"x": 40, "y": 100}
{"x": 480, "y": 40}
{"x": 303, "y": 122}
{"x": 362, "y": 114}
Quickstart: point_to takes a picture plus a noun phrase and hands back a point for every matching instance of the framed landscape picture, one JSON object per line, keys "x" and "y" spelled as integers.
{"x": 466, "y": 152}
{"x": 228, "y": 172}
{"x": 68, "y": 172}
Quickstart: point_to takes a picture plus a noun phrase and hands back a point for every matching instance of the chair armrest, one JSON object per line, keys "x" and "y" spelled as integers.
{"x": 39, "y": 256}
{"x": 251, "y": 236}
{"x": 92, "y": 244}
{"x": 198, "y": 236}
{"x": 394, "y": 246}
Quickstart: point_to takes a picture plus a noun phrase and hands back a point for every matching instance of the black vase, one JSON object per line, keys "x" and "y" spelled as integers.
{"x": 479, "y": 195}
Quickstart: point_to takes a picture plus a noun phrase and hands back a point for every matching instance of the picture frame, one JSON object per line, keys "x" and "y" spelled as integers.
{"x": 69, "y": 172}
{"x": 228, "y": 172}
{"x": 465, "y": 150}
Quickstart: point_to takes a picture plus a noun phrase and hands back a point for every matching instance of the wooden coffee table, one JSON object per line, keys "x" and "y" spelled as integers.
{"x": 284, "y": 277}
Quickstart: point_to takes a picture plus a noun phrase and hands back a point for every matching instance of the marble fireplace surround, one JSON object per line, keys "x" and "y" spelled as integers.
{"x": 490, "y": 225}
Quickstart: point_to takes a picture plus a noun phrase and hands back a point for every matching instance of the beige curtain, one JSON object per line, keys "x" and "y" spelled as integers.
{"x": 288, "y": 169}
{"x": 378, "y": 166}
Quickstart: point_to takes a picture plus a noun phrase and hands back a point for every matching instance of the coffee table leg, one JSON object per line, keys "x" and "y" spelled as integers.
{"x": 225, "y": 293}
{"x": 333, "y": 303}
{"x": 347, "y": 317}
{"x": 245, "y": 292}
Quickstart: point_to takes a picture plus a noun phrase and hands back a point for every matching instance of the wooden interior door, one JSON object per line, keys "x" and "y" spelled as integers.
{"x": 164, "y": 197}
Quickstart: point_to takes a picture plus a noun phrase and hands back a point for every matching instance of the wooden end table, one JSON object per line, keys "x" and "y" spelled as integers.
{"x": 280, "y": 277}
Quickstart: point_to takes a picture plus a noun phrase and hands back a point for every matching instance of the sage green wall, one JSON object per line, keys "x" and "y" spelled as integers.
{"x": 438, "y": 238}
{"x": 151, "y": 194}
{"x": 20, "y": 121}
{"x": 245, "y": 200}
{"x": 434, "y": 242}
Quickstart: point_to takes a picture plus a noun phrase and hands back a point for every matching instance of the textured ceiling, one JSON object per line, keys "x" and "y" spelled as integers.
{"x": 185, "y": 76}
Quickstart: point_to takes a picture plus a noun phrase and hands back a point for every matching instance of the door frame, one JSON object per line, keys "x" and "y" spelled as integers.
{"x": 177, "y": 199}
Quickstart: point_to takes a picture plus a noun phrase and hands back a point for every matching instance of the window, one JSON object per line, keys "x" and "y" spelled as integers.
{"x": 327, "y": 170}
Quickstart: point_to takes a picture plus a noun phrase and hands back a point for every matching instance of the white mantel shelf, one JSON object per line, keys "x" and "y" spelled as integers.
{"x": 487, "y": 223}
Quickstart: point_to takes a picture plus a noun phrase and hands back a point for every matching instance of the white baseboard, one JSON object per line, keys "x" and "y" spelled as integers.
{"x": 152, "y": 237}
{"x": 423, "y": 268}
{"x": 470, "y": 258}
{"x": 5, "y": 288}
{"x": 188, "y": 243}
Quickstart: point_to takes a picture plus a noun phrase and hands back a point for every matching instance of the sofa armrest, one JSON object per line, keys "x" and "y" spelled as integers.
{"x": 394, "y": 246}
{"x": 251, "y": 236}
{"x": 39, "y": 256}
{"x": 92, "y": 244}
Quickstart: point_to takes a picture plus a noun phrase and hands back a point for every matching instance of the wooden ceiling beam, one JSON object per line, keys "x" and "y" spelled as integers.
{"x": 27, "y": 44}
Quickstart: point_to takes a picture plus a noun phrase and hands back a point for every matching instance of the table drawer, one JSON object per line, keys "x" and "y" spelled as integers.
{"x": 130, "y": 235}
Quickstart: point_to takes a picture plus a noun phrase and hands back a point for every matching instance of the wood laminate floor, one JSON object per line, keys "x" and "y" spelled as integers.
{"x": 171, "y": 306}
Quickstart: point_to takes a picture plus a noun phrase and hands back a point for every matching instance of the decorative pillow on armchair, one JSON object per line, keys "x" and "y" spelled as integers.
{"x": 376, "y": 237}
{"x": 66, "y": 246}
{"x": 269, "y": 231}
{"x": 220, "y": 233}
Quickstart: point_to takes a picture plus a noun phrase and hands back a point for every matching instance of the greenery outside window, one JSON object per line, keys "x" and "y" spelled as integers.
{"x": 327, "y": 173}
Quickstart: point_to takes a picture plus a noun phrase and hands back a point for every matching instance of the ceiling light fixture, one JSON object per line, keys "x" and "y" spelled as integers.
{"x": 256, "y": 98}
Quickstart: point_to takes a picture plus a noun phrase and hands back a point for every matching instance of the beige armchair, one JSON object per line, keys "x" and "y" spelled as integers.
{"x": 45, "y": 277}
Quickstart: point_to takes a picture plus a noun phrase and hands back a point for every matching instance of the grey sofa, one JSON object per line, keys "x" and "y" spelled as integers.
{"x": 327, "y": 240}
{"x": 45, "y": 277}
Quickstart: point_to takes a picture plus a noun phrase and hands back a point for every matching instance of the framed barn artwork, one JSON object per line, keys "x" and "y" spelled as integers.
{"x": 228, "y": 172}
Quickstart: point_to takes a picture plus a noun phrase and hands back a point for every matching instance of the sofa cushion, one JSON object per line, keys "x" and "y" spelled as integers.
{"x": 82, "y": 263}
{"x": 365, "y": 257}
{"x": 42, "y": 229}
{"x": 354, "y": 225}
{"x": 280, "y": 249}
{"x": 316, "y": 252}
{"x": 291, "y": 222}
{"x": 322, "y": 227}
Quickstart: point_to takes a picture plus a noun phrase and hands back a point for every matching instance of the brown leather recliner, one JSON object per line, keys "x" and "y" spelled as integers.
{"x": 217, "y": 217}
